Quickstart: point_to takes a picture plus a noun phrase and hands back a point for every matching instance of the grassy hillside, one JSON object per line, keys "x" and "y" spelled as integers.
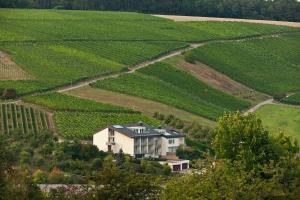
{"x": 294, "y": 99}
{"x": 60, "y": 47}
{"x": 281, "y": 118}
{"x": 164, "y": 83}
{"x": 80, "y": 118}
{"x": 15, "y": 118}
{"x": 268, "y": 65}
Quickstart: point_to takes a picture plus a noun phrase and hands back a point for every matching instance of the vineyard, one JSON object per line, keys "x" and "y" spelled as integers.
{"x": 80, "y": 118}
{"x": 67, "y": 62}
{"x": 63, "y": 102}
{"x": 18, "y": 118}
{"x": 45, "y": 25}
{"x": 62, "y": 47}
{"x": 166, "y": 84}
{"x": 294, "y": 99}
{"x": 10, "y": 70}
{"x": 267, "y": 65}
{"x": 84, "y": 124}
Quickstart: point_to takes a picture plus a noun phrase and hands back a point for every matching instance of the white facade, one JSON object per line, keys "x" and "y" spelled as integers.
{"x": 105, "y": 141}
{"x": 138, "y": 140}
{"x": 170, "y": 145}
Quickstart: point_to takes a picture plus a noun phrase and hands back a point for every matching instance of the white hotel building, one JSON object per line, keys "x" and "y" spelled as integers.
{"x": 141, "y": 140}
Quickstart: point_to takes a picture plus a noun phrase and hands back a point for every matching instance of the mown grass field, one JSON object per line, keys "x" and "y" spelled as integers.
{"x": 166, "y": 84}
{"x": 267, "y": 65}
{"x": 60, "y": 47}
{"x": 281, "y": 118}
{"x": 18, "y": 118}
{"x": 294, "y": 99}
{"x": 80, "y": 118}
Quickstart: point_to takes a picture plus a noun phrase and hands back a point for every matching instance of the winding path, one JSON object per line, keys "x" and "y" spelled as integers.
{"x": 256, "y": 107}
{"x": 170, "y": 54}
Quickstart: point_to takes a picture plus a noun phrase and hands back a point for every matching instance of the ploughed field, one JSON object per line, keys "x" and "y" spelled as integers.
{"x": 22, "y": 119}
{"x": 270, "y": 65}
{"x": 60, "y": 47}
{"x": 80, "y": 118}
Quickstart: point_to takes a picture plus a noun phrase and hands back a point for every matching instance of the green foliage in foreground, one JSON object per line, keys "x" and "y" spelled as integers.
{"x": 164, "y": 83}
{"x": 268, "y": 65}
{"x": 294, "y": 99}
{"x": 259, "y": 167}
{"x": 62, "y": 102}
{"x": 251, "y": 164}
{"x": 281, "y": 118}
{"x": 85, "y": 124}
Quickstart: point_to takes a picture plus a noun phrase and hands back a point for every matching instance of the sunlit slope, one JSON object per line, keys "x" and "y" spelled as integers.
{"x": 164, "y": 83}
{"x": 60, "y": 47}
{"x": 268, "y": 65}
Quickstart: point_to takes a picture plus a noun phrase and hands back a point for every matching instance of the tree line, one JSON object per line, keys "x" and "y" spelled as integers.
{"x": 258, "y": 9}
{"x": 246, "y": 162}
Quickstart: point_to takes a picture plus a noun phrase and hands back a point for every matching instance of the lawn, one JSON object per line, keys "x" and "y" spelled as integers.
{"x": 267, "y": 65}
{"x": 281, "y": 118}
{"x": 60, "y": 47}
{"x": 166, "y": 84}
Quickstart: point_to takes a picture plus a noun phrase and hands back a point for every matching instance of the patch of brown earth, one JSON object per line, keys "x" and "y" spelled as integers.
{"x": 193, "y": 18}
{"x": 218, "y": 80}
{"x": 9, "y": 70}
{"x": 145, "y": 106}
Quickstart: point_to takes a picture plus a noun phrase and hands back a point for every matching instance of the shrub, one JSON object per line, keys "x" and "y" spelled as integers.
{"x": 9, "y": 93}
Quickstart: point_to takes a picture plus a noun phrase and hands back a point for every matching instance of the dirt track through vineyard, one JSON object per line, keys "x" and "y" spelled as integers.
{"x": 161, "y": 58}
{"x": 215, "y": 19}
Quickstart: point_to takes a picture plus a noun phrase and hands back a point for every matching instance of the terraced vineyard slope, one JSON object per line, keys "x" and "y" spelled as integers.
{"x": 62, "y": 47}
{"x": 267, "y": 65}
{"x": 23, "y": 119}
{"x": 164, "y": 83}
{"x": 80, "y": 118}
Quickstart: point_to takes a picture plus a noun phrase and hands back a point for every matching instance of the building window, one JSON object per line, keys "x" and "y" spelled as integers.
{"x": 172, "y": 141}
{"x": 172, "y": 149}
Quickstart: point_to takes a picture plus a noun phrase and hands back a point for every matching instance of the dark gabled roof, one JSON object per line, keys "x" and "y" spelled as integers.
{"x": 149, "y": 131}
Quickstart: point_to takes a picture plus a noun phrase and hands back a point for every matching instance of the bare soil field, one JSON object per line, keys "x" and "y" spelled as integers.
{"x": 9, "y": 70}
{"x": 218, "y": 80}
{"x": 145, "y": 106}
{"x": 193, "y": 18}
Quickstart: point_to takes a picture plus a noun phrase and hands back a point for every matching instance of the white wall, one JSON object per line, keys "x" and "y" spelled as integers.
{"x": 100, "y": 139}
{"x": 166, "y": 145}
{"x": 123, "y": 142}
